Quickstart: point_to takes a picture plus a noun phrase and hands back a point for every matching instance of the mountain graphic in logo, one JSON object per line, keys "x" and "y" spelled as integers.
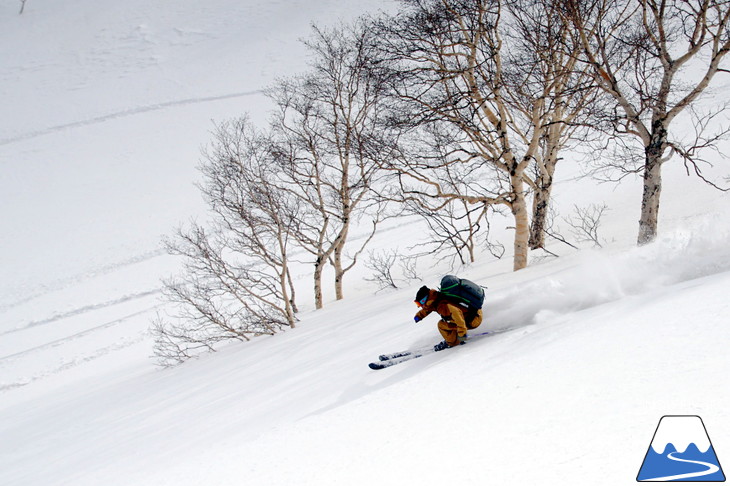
{"x": 681, "y": 451}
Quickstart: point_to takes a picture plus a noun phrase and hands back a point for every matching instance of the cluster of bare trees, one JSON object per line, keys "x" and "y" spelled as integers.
{"x": 653, "y": 59}
{"x": 492, "y": 91}
{"x": 329, "y": 136}
{"x": 237, "y": 281}
{"x": 455, "y": 110}
{"x": 287, "y": 194}
{"x": 496, "y": 90}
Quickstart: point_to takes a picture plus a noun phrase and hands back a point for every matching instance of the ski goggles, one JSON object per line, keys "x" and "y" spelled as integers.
{"x": 422, "y": 302}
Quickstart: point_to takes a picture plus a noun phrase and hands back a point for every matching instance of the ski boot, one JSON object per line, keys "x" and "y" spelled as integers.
{"x": 441, "y": 346}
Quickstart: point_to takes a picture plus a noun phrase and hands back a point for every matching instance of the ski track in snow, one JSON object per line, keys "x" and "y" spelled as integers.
{"x": 83, "y": 310}
{"x": 124, "y": 113}
{"x": 64, "y": 283}
{"x": 85, "y": 332}
{"x": 77, "y": 358}
{"x": 22, "y": 365}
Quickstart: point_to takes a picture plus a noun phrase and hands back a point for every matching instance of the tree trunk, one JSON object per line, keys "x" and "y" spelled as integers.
{"x": 285, "y": 278}
{"x": 339, "y": 250}
{"x": 648, "y": 223}
{"x": 522, "y": 223}
{"x": 470, "y": 240}
{"x": 540, "y": 208}
{"x": 318, "y": 267}
{"x": 292, "y": 294}
{"x": 650, "y": 202}
{"x": 544, "y": 180}
{"x": 339, "y": 274}
{"x": 288, "y": 309}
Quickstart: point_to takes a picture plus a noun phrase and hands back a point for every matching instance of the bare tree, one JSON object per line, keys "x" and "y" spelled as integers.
{"x": 330, "y": 139}
{"x": 239, "y": 172}
{"x": 390, "y": 267}
{"x": 454, "y": 229}
{"x": 586, "y": 221}
{"x": 655, "y": 58}
{"x": 381, "y": 264}
{"x": 541, "y": 68}
{"x": 215, "y": 300}
{"x": 450, "y": 66}
{"x": 237, "y": 281}
{"x": 22, "y": 7}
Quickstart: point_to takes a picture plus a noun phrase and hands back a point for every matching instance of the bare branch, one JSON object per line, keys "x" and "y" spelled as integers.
{"x": 586, "y": 222}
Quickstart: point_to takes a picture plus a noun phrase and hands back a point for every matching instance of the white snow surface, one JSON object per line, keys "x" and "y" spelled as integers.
{"x": 106, "y": 106}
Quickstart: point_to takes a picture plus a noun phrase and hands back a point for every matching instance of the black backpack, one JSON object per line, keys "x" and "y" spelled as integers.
{"x": 462, "y": 291}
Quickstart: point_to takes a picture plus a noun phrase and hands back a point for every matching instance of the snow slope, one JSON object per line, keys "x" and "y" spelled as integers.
{"x": 569, "y": 395}
{"x": 107, "y": 105}
{"x": 110, "y": 103}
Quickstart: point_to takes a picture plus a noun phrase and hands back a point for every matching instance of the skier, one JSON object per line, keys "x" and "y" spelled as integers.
{"x": 456, "y": 317}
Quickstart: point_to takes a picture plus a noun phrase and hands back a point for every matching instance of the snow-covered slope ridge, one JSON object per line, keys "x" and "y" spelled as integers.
{"x": 619, "y": 339}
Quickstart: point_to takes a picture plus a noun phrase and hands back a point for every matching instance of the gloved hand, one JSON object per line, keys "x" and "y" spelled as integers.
{"x": 462, "y": 339}
{"x": 416, "y": 318}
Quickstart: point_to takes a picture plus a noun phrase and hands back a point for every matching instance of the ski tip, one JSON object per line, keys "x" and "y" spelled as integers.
{"x": 376, "y": 366}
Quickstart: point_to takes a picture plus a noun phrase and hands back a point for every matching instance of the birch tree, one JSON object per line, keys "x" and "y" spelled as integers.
{"x": 237, "y": 281}
{"x": 655, "y": 58}
{"x": 541, "y": 69}
{"x": 330, "y": 137}
{"x": 257, "y": 218}
{"x": 450, "y": 65}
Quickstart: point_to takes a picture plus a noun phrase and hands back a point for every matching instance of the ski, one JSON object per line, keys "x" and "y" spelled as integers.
{"x": 388, "y": 360}
{"x": 387, "y": 357}
{"x": 392, "y": 359}
{"x": 386, "y": 363}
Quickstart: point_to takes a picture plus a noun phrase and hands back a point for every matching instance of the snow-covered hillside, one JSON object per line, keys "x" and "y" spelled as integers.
{"x": 106, "y": 107}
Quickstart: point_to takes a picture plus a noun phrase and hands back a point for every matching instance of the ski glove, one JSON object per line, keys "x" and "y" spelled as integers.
{"x": 416, "y": 318}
